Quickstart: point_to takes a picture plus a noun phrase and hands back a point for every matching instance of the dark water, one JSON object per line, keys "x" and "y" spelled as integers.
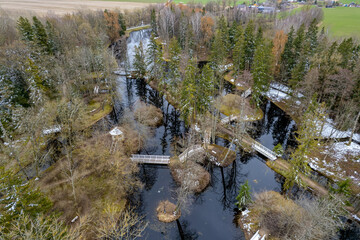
{"x": 211, "y": 214}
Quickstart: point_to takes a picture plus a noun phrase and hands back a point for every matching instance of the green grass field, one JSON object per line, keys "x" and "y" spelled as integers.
{"x": 342, "y": 22}
{"x": 349, "y": 1}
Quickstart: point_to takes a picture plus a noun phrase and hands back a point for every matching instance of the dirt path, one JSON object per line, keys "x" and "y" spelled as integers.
{"x": 43, "y": 7}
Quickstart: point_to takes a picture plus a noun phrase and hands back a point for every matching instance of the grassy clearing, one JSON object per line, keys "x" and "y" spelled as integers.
{"x": 97, "y": 109}
{"x": 230, "y": 105}
{"x": 349, "y": 1}
{"x": 342, "y": 22}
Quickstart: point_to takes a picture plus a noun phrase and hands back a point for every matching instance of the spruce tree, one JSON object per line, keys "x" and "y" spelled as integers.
{"x": 52, "y": 44}
{"x": 19, "y": 198}
{"x": 189, "y": 92}
{"x": 346, "y": 49}
{"x": 287, "y": 58}
{"x": 238, "y": 51}
{"x": 298, "y": 73}
{"x": 244, "y": 196}
{"x": 25, "y": 29}
{"x": 122, "y": 24}
{"x": 308, "y": 137}
{"x": 154, "y": 58}
{"x": 311, "y": 37}
{"x": 139, "y": 62}
{"x": 249, "y": 45}
{"x": 153, "y": 23}
{"x": 40, "y": 36}
{"x": 232, "y": 35}
{"x": 174, "y": 67}
{"x": 223, "y": 28}
{"x": 261, "y": 71}
{"x": 299, "y": 43}
{"x": 218, "y": 53}
{"x": 206, "y": 89}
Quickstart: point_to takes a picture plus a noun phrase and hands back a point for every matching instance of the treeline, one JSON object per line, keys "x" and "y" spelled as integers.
{"x": 262, "y": 50}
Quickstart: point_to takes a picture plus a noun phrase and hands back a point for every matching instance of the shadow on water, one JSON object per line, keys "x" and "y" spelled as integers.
{"x": 212, "y": 214}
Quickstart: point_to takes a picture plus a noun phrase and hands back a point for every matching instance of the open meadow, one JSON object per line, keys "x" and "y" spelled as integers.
{"x": 342, "y": 22}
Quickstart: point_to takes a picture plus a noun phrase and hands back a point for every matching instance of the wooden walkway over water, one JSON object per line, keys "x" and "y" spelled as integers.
{"x": 250, "y": 142}
{"x": 150, "y": 159}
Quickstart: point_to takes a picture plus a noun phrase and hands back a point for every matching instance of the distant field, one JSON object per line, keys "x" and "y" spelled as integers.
{"x": 184, "y": 1}
{"x": 41, "y": 7}
{"x": 342, "y": 21}
{"x": 349, "y": 1}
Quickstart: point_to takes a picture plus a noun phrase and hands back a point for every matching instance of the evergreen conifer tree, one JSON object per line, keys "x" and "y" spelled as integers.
{"x": 244, "y": 196}
{"x": 40, "y": 36}
{"x": 299, "y": 43}
{"x": 311, "y": 37}
{"x": 261, "y": 71}
{"x": 153, "y": 23}
{"x": 52, "y": 44}
{"x": 25, "y": 29}
{"x": 139, "y": 61}
{"x": 223, "y": 28}
{"x": 308, "y": 139}
{"x": 189, "y": 92}
{"x": 122, "y": 24}
{"x": 18, "y": 197}
{"x": 174, "y": 67}
{"x": 287, "y": 58}
{"x": 249, "y": 45}
{"x": 238, "y": 51}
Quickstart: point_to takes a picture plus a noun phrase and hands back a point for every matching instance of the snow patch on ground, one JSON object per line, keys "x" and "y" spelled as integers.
{"x": 277, "y": 95}
{"x": 340, "y": 150}
{"x": 340, "y": 155}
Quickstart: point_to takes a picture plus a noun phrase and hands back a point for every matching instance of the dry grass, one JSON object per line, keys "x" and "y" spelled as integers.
{"x": 276, "y": 215}
{"x": 219, "y": 153}
{"x": 165, "y": 212}
{"x": 97, "y": 108}
{"x": 148, "y": 115}
{"x": 282, "y": 219}
{"x": 99, "y": 176}
{"x": 337, "y": 169}
{"x": 189, "y": 174}
{"x": 233, "y": 104}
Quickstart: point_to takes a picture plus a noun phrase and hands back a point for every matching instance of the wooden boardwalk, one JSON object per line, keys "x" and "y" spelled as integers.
{"x": 190, "y": 152}
{"x": 150, "y": 159}
{"x": 251, "y": 142}
{"x": 264, "y": 150}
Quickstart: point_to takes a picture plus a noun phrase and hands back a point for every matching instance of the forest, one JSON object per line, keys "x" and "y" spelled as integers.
{"x": 211, "y": 76}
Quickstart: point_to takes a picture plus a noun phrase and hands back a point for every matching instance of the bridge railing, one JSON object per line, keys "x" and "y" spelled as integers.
{"x": 138, "y": 156}
{"x": 189, "y": 152}
{"x": 267, "y": 152}
{"x": 152, "y": 159}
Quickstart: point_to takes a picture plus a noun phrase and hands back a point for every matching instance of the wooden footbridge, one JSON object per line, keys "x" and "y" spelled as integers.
{"x": 190, "y": 152}
{"x": 150, "y": 159}
{"x": 250, "y": 142}
{"x": 264, "y": 150}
